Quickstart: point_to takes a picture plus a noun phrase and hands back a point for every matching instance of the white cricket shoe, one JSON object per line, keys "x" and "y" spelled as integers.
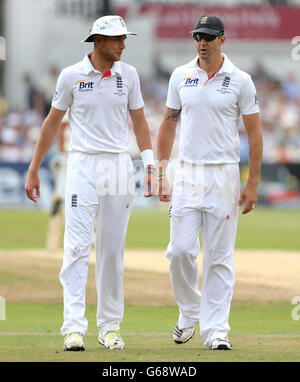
{"x": 220, "y": 344}
{"x": 73, "y": 342}
{"x": 181, "y": 336}
{"x": 111, "y": 339}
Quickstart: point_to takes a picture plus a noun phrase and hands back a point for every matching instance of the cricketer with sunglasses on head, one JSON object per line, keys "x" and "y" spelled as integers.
{"x": 206, "y": 99}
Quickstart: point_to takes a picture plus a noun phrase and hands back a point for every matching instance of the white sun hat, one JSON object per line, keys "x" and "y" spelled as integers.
{"x": 108, "y": 26}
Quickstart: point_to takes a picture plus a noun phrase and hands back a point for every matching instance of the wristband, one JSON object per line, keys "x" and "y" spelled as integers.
{"x": 161, "y": 175}
{"x": 148, "y": 158}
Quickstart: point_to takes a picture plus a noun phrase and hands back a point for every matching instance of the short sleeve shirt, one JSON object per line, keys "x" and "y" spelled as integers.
{"x": 98, "y": 105}
{"x": 211, "y": 110}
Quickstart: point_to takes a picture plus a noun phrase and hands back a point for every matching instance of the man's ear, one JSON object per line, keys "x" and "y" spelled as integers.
{"x": 223, "y": 39}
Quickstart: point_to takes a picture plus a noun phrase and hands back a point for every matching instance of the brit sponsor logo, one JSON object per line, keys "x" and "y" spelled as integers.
{"x": 191, "y": 81}
{"x": 85, "y": 86}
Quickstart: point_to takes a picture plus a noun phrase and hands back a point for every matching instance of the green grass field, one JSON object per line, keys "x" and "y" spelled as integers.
{"x": 264, "y": 228}
{"x": 260, "y": 332}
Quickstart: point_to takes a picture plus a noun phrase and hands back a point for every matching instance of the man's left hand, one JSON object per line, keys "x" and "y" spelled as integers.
{"x": 249, "y": 196}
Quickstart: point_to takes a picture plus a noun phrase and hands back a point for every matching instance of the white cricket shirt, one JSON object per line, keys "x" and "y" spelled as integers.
{"x": 98, "y": 105}
{"x": 210, "y": 111}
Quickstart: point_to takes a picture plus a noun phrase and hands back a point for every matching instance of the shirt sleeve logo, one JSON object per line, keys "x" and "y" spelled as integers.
{"x": 255, "y": 99}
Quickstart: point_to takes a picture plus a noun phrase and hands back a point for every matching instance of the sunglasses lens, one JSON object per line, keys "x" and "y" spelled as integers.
{"x": 207, "y": 37}
{"x": 210, "y": 38}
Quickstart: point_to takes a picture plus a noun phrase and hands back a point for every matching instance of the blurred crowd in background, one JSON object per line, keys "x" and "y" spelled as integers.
{"x": 279, "y": 102}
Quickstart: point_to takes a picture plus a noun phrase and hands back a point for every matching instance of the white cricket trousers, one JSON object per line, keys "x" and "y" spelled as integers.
{"x": 214, "y": 211}
{"x": 96, "y": 191}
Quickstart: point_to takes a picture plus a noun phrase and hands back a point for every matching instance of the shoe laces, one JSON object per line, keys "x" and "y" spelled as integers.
{"x": 183, "y": 329}
{"x": 73, "y": 333}
{"x": 114, "y": 335}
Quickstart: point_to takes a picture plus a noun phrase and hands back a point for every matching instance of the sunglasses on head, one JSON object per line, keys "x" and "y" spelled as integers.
{"x": 207, "y": 37}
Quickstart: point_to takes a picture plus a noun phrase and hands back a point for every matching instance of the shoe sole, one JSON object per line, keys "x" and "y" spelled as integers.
{"x": 75, "y": 348}
{"x": 222, "y": 347}
{"x": 184, "y": 342}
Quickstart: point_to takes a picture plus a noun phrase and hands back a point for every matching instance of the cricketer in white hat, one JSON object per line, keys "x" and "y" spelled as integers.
{"x": 99, "y": 93}
{"x": 108, "y": 26}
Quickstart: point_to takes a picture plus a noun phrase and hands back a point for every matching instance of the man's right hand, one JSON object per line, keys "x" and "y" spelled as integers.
{"x": 32, "y": 186}
{"x": 164, "y": 190}
{"x": 49, "y": 130}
